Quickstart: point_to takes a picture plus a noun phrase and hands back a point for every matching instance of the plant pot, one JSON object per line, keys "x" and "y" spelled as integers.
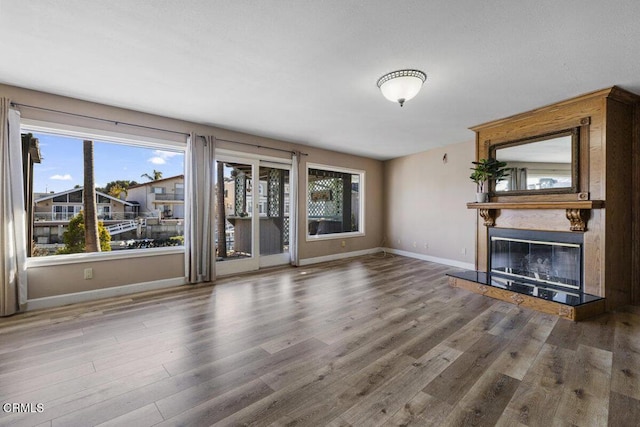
{"x": 482, "y": 197}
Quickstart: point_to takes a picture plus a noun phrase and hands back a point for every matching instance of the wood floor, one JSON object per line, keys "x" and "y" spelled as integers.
{"x": 374, "y": 340}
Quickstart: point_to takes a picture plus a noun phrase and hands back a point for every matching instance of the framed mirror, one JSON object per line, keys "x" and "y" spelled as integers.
{"x": 540, "y": 165}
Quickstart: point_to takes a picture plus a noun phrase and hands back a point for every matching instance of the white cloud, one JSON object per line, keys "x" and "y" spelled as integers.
{"x": 166, "y": 154}
{"x": 160, "y": 157}
{"x": 157, "y": 160}
{"x": 65, "y": 177}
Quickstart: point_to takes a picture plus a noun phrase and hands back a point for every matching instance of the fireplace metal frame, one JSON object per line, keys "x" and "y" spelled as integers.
{"x": 573, "y": 238}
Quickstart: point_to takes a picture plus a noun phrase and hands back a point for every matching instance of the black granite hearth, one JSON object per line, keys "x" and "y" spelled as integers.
{"x": 544, "y": 292}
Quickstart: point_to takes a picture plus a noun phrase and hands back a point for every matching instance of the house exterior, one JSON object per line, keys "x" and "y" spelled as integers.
{"x": 160, "y": 198}
{"x": 52, "y": 213}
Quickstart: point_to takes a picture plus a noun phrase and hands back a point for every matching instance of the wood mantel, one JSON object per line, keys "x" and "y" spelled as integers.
{"x": 578, "y": 204}
{"x": 577, "y": 211}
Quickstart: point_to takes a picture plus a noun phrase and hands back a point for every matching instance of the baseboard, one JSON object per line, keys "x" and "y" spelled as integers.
{"x": 335, "y": 257}
{"x": 60, "y": 300}
{"x": 445, "y": 261}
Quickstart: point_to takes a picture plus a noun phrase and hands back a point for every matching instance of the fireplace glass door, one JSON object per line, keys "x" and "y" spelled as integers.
{"x": 553, "y": 263}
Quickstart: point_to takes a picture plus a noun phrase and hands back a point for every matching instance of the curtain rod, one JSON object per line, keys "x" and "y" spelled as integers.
{"x": 100, "y": 119}
{"x": 15, "y": 104}
{"x": 262, "y": 146}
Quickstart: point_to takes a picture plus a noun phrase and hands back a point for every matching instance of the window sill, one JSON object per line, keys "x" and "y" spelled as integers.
{"x": 334, "y": 236}
{"x": 54, "y": 260}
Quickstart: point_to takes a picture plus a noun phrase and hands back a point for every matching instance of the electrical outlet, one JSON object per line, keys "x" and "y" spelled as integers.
{"x": 88, "y": 273}
{"x": 343, "y": 243}
{"x": 415, "y": 245}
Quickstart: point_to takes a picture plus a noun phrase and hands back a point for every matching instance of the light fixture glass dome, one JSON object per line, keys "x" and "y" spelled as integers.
{"x": 402, "y": 85}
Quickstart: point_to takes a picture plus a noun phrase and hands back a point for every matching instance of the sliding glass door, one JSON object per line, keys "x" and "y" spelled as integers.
{"x": 252, "y": 214}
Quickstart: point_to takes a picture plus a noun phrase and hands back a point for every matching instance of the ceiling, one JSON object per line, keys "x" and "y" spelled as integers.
{"x": 305, "y": 70}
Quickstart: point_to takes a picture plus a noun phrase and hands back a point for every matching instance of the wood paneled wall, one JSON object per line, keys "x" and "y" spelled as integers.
{"x": 635, "y": 229}
{"x": 609, "y": 124}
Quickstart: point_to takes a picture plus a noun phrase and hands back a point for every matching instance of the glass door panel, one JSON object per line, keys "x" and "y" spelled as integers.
{"x": 235, "y": 213}
{"x": 273, "y": 208}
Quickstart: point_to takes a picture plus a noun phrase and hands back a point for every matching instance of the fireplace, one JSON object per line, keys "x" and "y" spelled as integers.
{"x": 543, "y": 270}
{"x": 599, "y": 259}
{"x": 547, "y": 258}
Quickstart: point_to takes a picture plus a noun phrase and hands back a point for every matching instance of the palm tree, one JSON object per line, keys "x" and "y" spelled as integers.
{"x": 117, "y": 187}
{"x": 91, "y": 236}
{"x": 116, "y": 190}
{"x": 154, "y": 177}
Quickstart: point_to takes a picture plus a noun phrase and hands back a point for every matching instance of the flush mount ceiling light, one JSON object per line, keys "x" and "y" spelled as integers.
{"x": 402, "y": 85}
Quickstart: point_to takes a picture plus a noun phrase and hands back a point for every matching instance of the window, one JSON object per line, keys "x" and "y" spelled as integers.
{"x": 103, "y": 212}
{"x": 124, "y": 174}
{"x": 65, "y": 212}
{"x": 76, "y": 197}
{"x": 335, "y": 202}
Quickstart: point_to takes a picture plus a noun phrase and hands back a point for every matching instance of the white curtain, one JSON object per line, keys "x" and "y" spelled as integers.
{"x": 517, "y": 179}
{"x": 199, "y": 206}
{"x": 294, "y": 210}
{"x": 13, "y": 235}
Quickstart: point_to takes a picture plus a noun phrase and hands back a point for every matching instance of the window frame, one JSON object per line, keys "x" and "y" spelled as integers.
{"x": 80, "y": 132}
{"x": 362, "y": 203}
{"x": 59, "y": 213}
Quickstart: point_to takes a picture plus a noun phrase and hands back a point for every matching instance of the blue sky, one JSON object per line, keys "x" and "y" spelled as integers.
{"x": 61, "y": 167}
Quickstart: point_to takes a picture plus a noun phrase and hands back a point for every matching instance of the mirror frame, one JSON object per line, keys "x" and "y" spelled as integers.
{"x": 575, "y": 162}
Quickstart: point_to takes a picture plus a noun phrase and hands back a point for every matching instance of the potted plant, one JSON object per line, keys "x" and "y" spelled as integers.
{"x": 484, "y": 171}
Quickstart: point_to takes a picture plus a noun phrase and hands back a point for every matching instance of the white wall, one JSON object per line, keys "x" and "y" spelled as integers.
{"x": 425, "y": 204}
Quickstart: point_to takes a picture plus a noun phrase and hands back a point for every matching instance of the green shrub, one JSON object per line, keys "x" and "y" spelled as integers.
{"x": 73, "y": 237}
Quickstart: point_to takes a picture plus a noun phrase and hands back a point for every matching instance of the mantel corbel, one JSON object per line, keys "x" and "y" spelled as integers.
{"x": 578, "y": 219}
{"x": 489, "y": 216}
